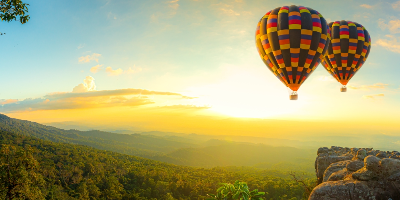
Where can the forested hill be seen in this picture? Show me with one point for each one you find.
(134, 144)
(173, 150)
(69, 171)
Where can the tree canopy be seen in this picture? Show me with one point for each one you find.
(13, 10)
(81, 172)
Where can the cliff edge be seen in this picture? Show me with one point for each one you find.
(356, 173)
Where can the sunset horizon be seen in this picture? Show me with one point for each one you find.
(103, 73)
(199, 99)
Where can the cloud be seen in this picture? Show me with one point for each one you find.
(112, 72)
(247, 13)
(174, 5)
(132, 71)
(372, 96)
(368, 87)
(326, 78)
(366, 6)
(81, 46)
(396, 5)
(390, 44)
(229, 12)
(185, 107)
(88, 58)
(86, 96)
(7, 101)
(393, 26)
(87, 85)
(186, 97)
(116, 72)
(95, 69)
(397, 142)
(110, 15)
(154, 18)
(105, 93)
(73, 103)
(226, 9)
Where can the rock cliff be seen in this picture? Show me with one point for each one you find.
(356, 173)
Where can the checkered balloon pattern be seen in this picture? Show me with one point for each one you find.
(347, 51)
(290, 41)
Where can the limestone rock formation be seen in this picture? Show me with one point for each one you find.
(356, 173)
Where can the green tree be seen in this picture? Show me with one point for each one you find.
(168, 196)
(238, 190)
(94, 191)
(19, 176)
(306, 184)
(112, 188)
(83, 191)
(12, 10)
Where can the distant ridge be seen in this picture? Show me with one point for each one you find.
(171, 149)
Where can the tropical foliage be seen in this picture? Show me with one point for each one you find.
(238, 190)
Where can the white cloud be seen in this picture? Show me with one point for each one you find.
(111, 15)
(226, 9)
(391, 44)
(174, 5)
(88, 58)
(366, 6)
(229, 12)
(132, 71)
(397, 142)
(396, 5)
(368, 87)
(95, 69)
(154, 18)
(88, 97)
(81, 46)
(326, 78)
(7, 101)
(247, 13)
(112, 72)
(372, 96)
(87, 85)
(393, 26)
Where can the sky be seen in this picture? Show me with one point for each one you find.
(190, 66)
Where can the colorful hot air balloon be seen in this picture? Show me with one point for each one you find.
(290, 40)
(347, 51)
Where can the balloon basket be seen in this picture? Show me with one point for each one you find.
(343, 89)
(293, 95)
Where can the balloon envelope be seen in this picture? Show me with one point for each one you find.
(347, 51)
(290, 40)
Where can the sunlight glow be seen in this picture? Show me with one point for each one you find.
(246, 92)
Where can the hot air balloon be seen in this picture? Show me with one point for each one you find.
(347, 51)
(290, 40)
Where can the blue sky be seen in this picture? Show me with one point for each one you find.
(196, 48)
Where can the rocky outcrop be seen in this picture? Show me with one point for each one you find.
(353, 173)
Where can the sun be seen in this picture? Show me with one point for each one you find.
(245, 93)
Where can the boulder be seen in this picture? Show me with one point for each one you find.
(354, 165)
(356, 173)
(334, 167)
